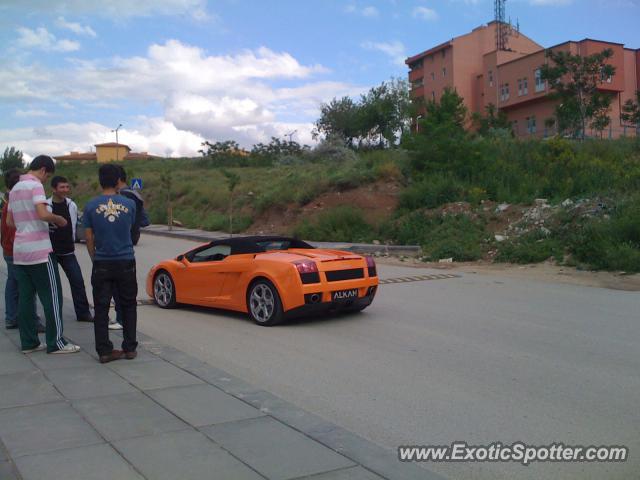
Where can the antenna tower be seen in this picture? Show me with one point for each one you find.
(502, 28)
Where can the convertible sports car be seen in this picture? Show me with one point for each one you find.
(270, 278)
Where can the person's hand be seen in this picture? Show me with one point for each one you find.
(60, 221)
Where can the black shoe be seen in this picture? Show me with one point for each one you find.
(12, 327)
(86, 319)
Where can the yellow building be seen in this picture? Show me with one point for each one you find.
(105, 153)
(111, 152)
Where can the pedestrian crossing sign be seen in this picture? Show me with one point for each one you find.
(136, 184)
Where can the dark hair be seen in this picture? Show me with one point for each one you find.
(58, 179)
(122, 173)
(43, 161)
(11, 177)
(108, 175)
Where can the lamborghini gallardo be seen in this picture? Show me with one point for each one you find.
(269, 278)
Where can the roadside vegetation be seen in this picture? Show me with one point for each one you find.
(459, 194)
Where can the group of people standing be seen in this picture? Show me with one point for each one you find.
(39, 233)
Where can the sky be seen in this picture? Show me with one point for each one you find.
(175, 73)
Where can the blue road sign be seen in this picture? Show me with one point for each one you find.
(136, 183)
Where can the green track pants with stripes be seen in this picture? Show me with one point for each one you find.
(43, 279)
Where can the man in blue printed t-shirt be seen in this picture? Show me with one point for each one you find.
(108, 220)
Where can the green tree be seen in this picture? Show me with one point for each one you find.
(11, 158)
(440, 143)
(339, 118)
(575, 80)
(631, 111)
(492, 121)
(385, 113)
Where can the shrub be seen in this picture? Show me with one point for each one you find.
(341, 224)
(531, 248)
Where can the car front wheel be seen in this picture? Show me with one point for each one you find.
(164, 290)
(263, 303)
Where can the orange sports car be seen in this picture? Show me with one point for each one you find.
(270, 278)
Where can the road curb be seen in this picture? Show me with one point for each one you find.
(365, 248)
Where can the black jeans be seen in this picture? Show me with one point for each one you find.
(114, 278)
(69, 264)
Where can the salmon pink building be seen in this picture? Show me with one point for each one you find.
(510, 78)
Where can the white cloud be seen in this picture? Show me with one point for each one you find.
(42, 39)
(115, 9)
(217, 97)
(550, 3)
(75, 27)
(31, 113)
(394, 50)
(366, 11)
(425, 13)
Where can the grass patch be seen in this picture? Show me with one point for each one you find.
(341, 224)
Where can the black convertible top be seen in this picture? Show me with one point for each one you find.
(259, 244)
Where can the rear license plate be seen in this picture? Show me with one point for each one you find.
(344, 295)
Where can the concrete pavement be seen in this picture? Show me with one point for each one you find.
(164, 415)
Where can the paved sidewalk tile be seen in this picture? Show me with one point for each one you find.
(6, 472)
(354, 473)
(48, 362)
(185, 455)
(14, 361)
(118, 417)
(87, 382)
(203, 405)
(274, 449)
(96, 462)
(26, 388)
(155, 374)
(42, 428)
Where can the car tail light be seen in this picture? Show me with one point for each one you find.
(308, 271)
(371, 266)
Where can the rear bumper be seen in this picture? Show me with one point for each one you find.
(319, 308)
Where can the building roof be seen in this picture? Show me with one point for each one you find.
(77, 156)
(112, 144)
(137, 155)
(435, 49)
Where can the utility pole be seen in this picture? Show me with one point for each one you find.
(290, 135)
(117, 143)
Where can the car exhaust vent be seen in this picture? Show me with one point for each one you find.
(337, 275)
(310, 277)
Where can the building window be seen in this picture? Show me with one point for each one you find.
(433, 96)
(444, 53)
(444, 72)
(519, 87)
(433, 76)
(490, 78)
(604, 77)
(514, 127)
(417, 83)
(540, 83)
(525, 86)
(531, 125)
(504, 92)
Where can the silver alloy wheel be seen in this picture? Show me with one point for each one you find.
(163, 289)
(262, 302)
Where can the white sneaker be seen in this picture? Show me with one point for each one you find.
(68, 348)
(113, 325)
(39, 348)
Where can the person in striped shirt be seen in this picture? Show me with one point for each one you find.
(35, 265)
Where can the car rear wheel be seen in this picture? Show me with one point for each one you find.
(164, 290)
(263, 303)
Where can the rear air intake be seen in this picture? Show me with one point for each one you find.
(337, 275)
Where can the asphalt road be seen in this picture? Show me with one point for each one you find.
(479, 359)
